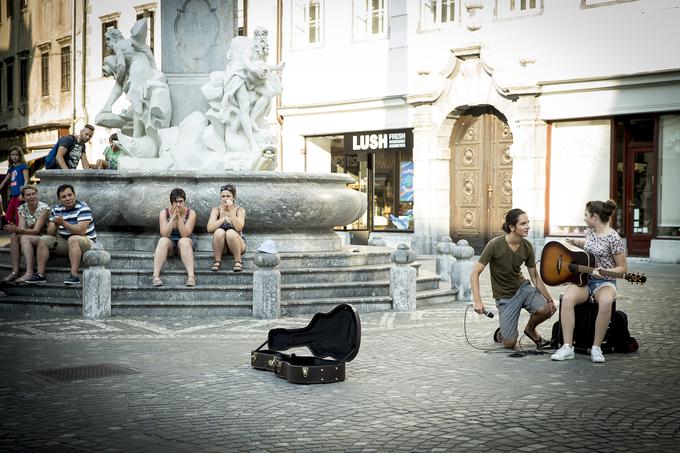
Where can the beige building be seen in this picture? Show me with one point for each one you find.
(40, 80)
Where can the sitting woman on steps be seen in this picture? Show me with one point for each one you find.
(226, 225)
(177, 237)
(33, 215)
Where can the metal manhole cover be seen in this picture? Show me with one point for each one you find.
(84, 372)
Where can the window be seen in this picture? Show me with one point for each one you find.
(518, 8)
(149, 14)
(10, 84)
(10, 8)
(577, 148)
(45, 72)
(381, 163)
(307, 23)
(242, 18)
(66, 68)
(669, 183)
(23, 76)
(370, 18)
(592, 3)
(106, 25)
(437, 12)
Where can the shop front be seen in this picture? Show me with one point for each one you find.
(381, 163)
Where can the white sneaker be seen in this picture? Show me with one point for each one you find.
(564, 353)
(596, 355)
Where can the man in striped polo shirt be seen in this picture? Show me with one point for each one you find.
(70, 232)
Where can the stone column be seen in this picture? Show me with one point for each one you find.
(403, 279)
(96, 285)
(460, 275)
(443, 259)
(267, 286)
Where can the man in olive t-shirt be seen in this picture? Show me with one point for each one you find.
(505, 255)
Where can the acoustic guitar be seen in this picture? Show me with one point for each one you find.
(560, 264)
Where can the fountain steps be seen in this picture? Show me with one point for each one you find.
(311, 282)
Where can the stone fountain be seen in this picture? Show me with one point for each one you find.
(225, 139)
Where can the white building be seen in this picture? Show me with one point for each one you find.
(542, 105)
(449, 112)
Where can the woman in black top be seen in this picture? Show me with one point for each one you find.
(226, 224)
(177, 237)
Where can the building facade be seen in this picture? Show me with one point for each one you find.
(446, 112)
(532, 104)
(39, 78)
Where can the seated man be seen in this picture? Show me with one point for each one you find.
(70, 231)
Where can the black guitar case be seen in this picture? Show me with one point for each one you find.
(336, 335)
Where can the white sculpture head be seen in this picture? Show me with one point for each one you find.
(112, 36)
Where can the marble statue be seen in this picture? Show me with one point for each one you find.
(133, 67)
(240, 100)
(232, 134)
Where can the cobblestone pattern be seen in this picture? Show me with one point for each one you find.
(416, 385)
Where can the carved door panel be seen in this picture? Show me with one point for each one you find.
(481, 177)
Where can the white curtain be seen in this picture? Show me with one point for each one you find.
(669, 177)
(579, 170)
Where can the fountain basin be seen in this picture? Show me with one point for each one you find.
(297, 210)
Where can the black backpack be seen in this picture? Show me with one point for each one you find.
(616, 339)
(51, 159)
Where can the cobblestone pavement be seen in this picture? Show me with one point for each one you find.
(416, 385)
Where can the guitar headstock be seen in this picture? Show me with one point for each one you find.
(640, 279)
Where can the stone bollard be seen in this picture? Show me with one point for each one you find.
(96, 284)
(403, 279)
(267, 282)
(444, 259)
(377, 241)
(460, 275)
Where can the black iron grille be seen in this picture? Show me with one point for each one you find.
(84, 372)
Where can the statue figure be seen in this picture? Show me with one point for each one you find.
(240, 99)
(232, 134)
(134, 69)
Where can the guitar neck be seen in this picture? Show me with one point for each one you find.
(604, 273)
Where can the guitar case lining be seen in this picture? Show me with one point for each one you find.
(334, 339)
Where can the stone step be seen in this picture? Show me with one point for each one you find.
(144, 260)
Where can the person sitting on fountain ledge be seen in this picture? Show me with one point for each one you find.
(70, 232)
(177, 237)
(71, 150)
(226, 224)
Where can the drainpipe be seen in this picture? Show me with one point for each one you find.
(84, 58)
(279, 41)
(73, 65)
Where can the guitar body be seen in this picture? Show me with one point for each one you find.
(558, 264)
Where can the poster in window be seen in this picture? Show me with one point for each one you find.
(406, 182)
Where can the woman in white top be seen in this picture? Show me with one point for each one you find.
(33, 215)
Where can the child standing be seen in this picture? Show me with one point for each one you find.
(17, 176)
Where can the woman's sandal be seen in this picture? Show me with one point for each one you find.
(157, 281)
(540, 342)
(11, 277)
(217, 265)
(21, 280)
(238, 266)
(191, 281)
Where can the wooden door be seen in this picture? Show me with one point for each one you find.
(639, 181)
(481, 176)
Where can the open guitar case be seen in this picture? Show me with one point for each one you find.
(332, 337)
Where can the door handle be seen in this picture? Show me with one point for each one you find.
(489, 191)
